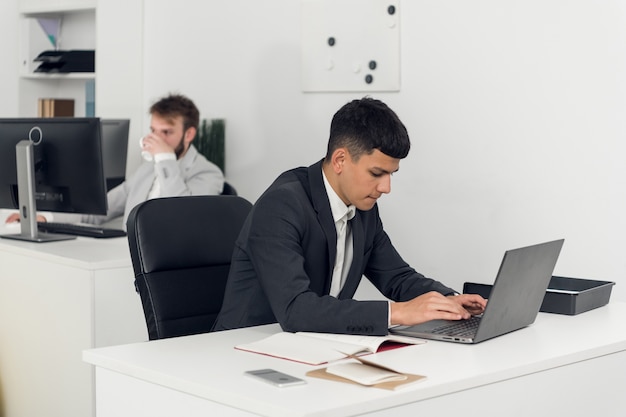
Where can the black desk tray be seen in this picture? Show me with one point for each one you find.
(564, 295)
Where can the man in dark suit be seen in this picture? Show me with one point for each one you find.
(316, 231)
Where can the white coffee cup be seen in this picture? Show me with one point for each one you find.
(144, 154)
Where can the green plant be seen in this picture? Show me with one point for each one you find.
(210, 141)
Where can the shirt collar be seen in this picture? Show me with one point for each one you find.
(337, 206)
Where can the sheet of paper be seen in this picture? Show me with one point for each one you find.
(364, 374)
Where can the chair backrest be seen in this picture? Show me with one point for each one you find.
(181, 249)
(228, 189)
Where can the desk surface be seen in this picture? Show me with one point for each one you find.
(82, 252)
(207, 366)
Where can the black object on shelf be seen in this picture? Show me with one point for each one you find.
(564, 295)
(53, 62)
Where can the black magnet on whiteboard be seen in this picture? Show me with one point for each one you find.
(331, 41)
(372, 65)
(391, 9)
(369, 79)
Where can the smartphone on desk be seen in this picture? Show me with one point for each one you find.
(275, 378)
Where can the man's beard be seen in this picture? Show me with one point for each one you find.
(180, 148)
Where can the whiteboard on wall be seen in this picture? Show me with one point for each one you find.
(350, 45)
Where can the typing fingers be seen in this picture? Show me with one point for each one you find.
(439, 307)
(426, 307)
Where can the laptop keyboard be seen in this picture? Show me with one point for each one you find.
(462, 328)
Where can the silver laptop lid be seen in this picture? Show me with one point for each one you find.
(515, 298)
(519, 289)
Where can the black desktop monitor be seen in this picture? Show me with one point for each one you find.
(114, 150)
(58, 164)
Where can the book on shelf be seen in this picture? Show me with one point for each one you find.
(55, 107)
(319, 348)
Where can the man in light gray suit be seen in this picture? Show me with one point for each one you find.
(316, 231)
(175, 167)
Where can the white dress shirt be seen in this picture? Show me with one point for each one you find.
(342, 214)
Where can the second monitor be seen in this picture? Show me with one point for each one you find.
(114, 150)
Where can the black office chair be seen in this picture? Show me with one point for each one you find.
(228, 189)
(181, 249)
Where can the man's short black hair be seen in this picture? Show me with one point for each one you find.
(175, 105)
(367, 124)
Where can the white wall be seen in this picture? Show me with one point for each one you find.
(10, 65)
(119, 69)
(516, 112)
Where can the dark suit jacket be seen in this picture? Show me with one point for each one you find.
(283, 263)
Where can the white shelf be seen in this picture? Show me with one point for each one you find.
(77, 32)
(32, 8)
(57, 76)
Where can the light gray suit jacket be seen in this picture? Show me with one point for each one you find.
(193, 174)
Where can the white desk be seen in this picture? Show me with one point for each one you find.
(560, 365)
(57, 299)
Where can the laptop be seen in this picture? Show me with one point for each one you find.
(514, 301)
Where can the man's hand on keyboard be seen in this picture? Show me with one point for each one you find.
(433, 305)
(15, 218)
(473, 303)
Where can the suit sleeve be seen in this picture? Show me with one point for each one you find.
(201, 178)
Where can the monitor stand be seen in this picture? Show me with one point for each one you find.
(25, 162)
